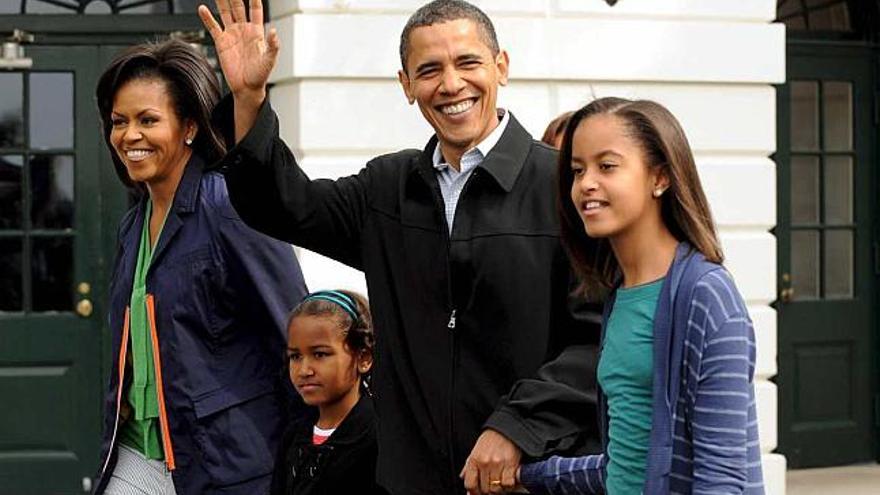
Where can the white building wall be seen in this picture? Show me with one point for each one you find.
(711, 62)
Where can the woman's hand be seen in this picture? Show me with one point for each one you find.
(247, 56)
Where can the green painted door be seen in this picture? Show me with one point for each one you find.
(826, 175)
(51, 273)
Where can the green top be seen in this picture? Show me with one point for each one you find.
(141, 431)
(626, 376)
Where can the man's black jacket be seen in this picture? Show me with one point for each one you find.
(464, 321)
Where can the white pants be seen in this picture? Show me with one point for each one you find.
(134, 474)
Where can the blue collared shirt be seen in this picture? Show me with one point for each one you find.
(452, 181)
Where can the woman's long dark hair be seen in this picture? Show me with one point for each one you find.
(190, 81)
(684, 208)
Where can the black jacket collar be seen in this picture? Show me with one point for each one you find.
(504, 163)
(358, 423)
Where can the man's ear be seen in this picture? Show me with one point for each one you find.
(502, 64)
(404, 83)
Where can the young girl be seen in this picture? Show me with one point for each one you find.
(677, 401)
(330, 351)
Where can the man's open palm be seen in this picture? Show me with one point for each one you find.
(246, 54)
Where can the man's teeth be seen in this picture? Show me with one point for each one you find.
(458, 107)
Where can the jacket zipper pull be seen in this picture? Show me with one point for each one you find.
(451, 324)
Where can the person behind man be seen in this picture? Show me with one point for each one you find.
(555, 130)
(460, 246)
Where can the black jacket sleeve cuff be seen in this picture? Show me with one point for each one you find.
(510, 425)
(256, 146)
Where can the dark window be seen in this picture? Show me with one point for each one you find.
(823, 167)
(37, 191)
(101, 7)
(815, 15)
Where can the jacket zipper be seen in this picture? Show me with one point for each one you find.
(439, 203)
(121, 372)
(453, 347)
(160, 386)
(453, 361)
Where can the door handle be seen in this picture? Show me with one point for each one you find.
(84, 308)
(787, 294)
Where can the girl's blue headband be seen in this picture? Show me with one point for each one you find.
(340, 299)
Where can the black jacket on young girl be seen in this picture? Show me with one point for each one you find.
(344, 463)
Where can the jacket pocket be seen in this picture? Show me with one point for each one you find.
(198, 281)
(237, 429)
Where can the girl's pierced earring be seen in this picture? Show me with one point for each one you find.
(189, 141)
(658, 192)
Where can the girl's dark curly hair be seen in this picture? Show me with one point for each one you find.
(359, 335)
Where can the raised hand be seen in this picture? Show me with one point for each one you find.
(247, 55)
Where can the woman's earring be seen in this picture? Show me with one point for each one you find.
(658, 192)
(189, 141)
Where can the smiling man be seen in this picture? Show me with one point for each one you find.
(452, 69)
(481, 356)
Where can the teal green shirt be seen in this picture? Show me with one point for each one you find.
(626, 375)
(141, 431)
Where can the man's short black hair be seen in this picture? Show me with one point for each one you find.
(440, 11)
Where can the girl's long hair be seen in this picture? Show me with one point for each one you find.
(684, 208)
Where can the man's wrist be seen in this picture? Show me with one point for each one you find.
(249, 99)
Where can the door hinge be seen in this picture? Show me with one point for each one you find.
(876, 248)
(876, 107)
(876, 102)
(877, 410)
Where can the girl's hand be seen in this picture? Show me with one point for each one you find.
(247, 56)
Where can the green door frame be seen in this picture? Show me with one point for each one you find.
(50, 357)
(834, 54)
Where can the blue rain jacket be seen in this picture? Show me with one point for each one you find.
(218, 296)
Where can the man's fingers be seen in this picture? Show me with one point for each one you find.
(471, 478)
(508, 477)
(210, 23)
(273, 43)
(225, 12)
(490, 481)
(257, 12)
(239, 14)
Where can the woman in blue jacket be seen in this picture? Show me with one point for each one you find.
(677, 401)
(195, 403)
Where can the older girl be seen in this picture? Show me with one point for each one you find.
(677, 402)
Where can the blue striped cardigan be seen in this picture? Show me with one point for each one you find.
(707, 442)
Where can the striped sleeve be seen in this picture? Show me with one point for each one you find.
(568, 475)
(723, 395)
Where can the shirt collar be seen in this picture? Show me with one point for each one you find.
(482, 149)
